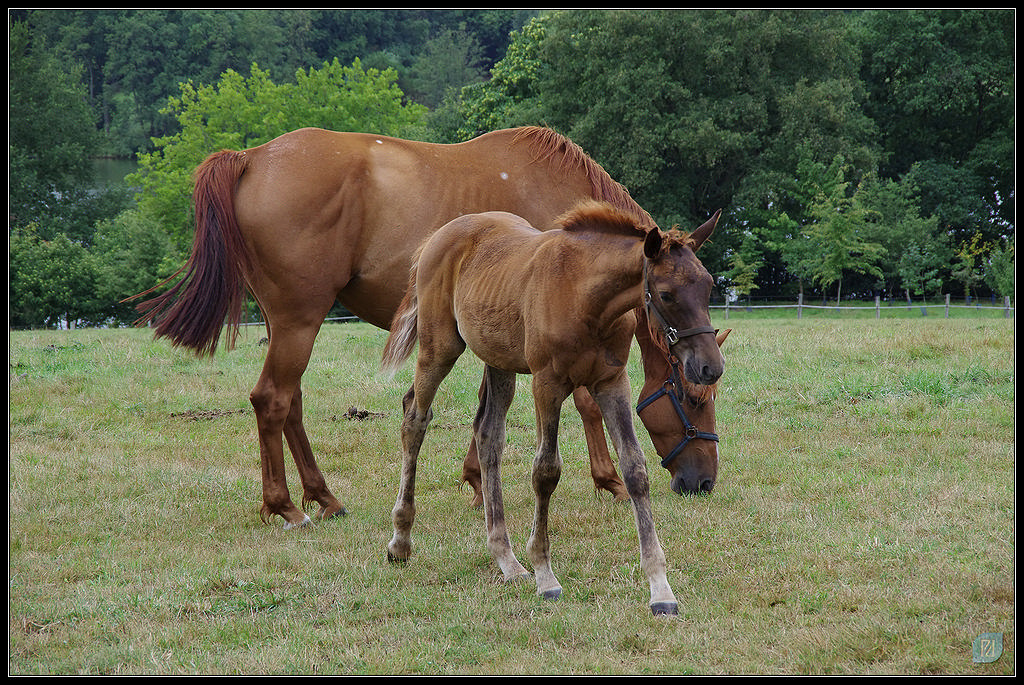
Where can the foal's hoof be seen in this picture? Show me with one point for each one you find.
(664, 609)
(396, 560)
(552, 594)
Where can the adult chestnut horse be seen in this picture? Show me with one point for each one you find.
(558, 305)
(315, 216)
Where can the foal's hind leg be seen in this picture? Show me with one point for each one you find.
(489, 431)
(615, 405)
(432, 365)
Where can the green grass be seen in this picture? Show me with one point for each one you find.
(863, 521)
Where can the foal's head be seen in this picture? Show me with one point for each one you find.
(677, 291)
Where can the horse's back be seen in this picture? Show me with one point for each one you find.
(345, 211)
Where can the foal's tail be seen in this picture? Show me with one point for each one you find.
(403, 335)
(211, 290)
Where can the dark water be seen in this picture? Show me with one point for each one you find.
(110, 171)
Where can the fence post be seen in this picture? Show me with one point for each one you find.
(947, 305)
(1006, 306)
(800, 306)
(878, 312)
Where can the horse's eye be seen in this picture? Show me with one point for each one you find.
(666, 297)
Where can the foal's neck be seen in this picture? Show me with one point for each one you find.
(614, 277)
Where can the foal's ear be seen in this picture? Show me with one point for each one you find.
(652, 243)
(701, 234)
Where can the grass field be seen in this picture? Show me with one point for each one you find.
(863, 521)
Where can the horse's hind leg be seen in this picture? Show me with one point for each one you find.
(615, 405)
(272, 399)
(314, 486)
(489, 431)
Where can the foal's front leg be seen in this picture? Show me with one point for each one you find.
(547, 471)
(615, 405)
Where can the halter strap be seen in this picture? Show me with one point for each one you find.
(691, 430)
(672, 335)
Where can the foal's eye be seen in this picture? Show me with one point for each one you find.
(666, 297)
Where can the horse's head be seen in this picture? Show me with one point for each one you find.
(677, 291)
(680, 417)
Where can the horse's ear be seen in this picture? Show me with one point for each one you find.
(652, 243)
(701, 234)
(720, 336)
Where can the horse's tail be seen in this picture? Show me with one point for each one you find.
(192, 312)
(403, 335)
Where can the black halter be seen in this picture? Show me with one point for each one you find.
(672, 336)
(668, 388)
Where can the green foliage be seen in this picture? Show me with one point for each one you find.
(51, 128)
(756, 112)
(1000, 271)
(837, 239)
(53, 282)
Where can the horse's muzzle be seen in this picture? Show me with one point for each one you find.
(688, 484)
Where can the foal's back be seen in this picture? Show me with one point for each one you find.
(473, 276)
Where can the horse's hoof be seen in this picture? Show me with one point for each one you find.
(325, 514)
(395, 560)
(288, 525)
(664, 609)
(552, 594)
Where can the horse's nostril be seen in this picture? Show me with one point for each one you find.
(707, 485)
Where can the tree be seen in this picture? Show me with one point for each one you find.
(52, 129)
(837, 242)
(449, 60)
(53, 282)
(968, 266)
(919, 250)
(941, 86)
(999, 271)
(918, 272)
(744, 264)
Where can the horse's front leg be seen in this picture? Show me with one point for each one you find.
(602, 469)
(489, 431)
(547, 471)
(614, 400)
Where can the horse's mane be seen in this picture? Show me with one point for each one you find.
(550, 145)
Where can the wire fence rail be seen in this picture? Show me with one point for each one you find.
(1007, 308)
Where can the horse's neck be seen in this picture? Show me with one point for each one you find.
(654, 358)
